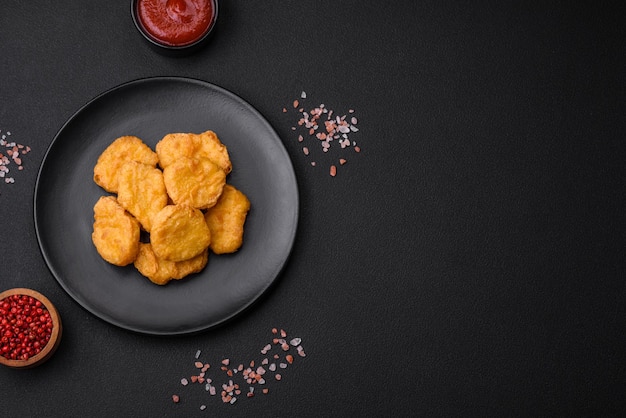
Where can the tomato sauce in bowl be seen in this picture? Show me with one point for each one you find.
(175, 24)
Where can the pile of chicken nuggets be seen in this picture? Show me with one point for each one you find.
(176, 196)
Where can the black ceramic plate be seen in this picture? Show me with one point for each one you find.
(65, 194)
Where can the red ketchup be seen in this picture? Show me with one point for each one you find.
(175, 22)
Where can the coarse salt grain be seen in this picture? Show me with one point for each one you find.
(300, 351)
(334, 127)
(13, 150)
(231, 389)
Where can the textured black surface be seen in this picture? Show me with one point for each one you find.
(469, 261)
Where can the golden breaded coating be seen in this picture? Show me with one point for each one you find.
(179, 232)
(141, 191)
(120, 151)
(115, 232)
(193, 265)
(197, 182)
(226, 220)
(161, 271)
(205, 144)
(156, 269)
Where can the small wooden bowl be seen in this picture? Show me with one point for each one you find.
(55, 337)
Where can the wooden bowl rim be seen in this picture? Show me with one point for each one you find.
(55, 337)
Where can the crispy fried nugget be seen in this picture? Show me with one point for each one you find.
(179, 232)
(141, 191)
(161, 271)
(196, 182)
(206, 144)
(226, 220)
(193, 265)
(123, 149)
(115, 232)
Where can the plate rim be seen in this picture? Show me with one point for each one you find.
(215, 323)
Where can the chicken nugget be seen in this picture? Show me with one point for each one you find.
(209, 145)
(115, 232)
(205, 144)
(193, 265)
(141, 191)
(123, 149)
(197, 182)
(179, 232)
(226, 220)
(156, 269)
(161, 271)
